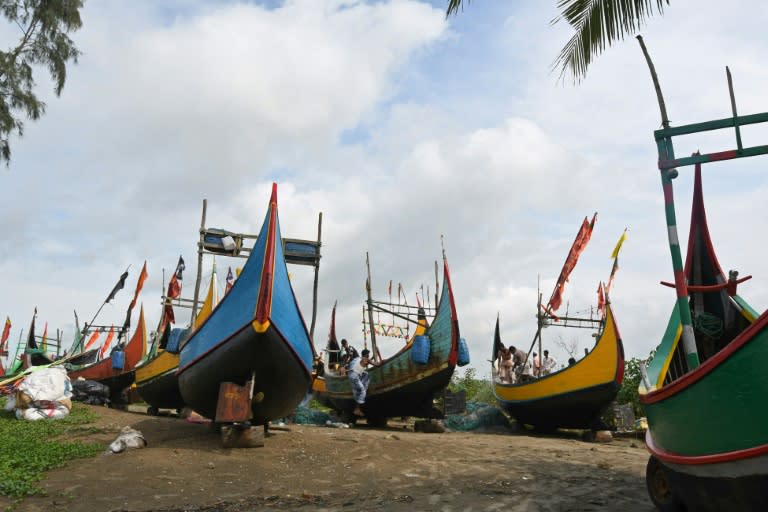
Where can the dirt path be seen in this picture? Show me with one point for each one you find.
(184, 467)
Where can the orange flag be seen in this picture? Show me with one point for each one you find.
(6, 333)
(92, 340)
(107, 342)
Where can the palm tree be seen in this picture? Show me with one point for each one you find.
(598, 24)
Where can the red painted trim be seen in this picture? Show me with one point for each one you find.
(668, 195)
(715, 458)
(708, 366)
(723, 155)
(699, 220)
(264, 302)
(682, 291)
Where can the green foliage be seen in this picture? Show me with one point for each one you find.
(477, 390)
(596, 23)
(628, 393)
(43, 41)
(29, 448)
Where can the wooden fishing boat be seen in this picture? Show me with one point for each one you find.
(576, 395)
(255, 339)
(156, 380)
(118, 370)
(709, 448)
(399, 386)
(704, 388)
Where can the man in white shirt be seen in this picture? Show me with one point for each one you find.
(548, 364)
(359, 379)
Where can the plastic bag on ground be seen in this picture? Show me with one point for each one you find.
(90, 392)
(128, 438)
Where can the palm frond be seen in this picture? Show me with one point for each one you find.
(454, 6)
(598, 24)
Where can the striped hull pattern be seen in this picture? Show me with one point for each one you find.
(398, 386)
(255, 332)
(575, 396)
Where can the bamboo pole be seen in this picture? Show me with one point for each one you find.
(314, 287)
(199, 262)
(666, 152)
(437, 284)
(374, 348)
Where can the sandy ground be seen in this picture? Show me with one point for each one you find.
(313, 468)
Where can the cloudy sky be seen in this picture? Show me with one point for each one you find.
(400, 126)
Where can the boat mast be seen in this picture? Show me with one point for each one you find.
(374, 348)
(199, 262)
(538, 332)
(314, 287)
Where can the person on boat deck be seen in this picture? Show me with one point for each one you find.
(348, 353)
(318, 367)
(505, 365)
(549, 364)
(521, 365)
(536, 365)
(571, 361)
(359, 379)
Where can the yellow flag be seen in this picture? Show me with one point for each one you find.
(615, 253)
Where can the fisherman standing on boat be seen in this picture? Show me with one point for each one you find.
(549, 364)
(522, 367)
(505, 365)
(359, 379)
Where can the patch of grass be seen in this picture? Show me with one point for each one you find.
(30, 448)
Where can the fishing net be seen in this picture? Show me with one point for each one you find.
(478, 416)
(708, 324)
(307, 416)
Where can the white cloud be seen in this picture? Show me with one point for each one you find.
(400, 129)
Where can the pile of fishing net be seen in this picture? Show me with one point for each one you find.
(307, 416)
(42, 394)
(478, 416)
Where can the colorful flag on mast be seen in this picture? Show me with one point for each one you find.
(579, 244)
(615, 256)
(230, 281)
(617, 248)
(139, 285)
(92, 340)
(174, 287)
(107, 342)
(600, 298)
(6, 333)
(119, 286)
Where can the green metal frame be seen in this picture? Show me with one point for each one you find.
(668, 167)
